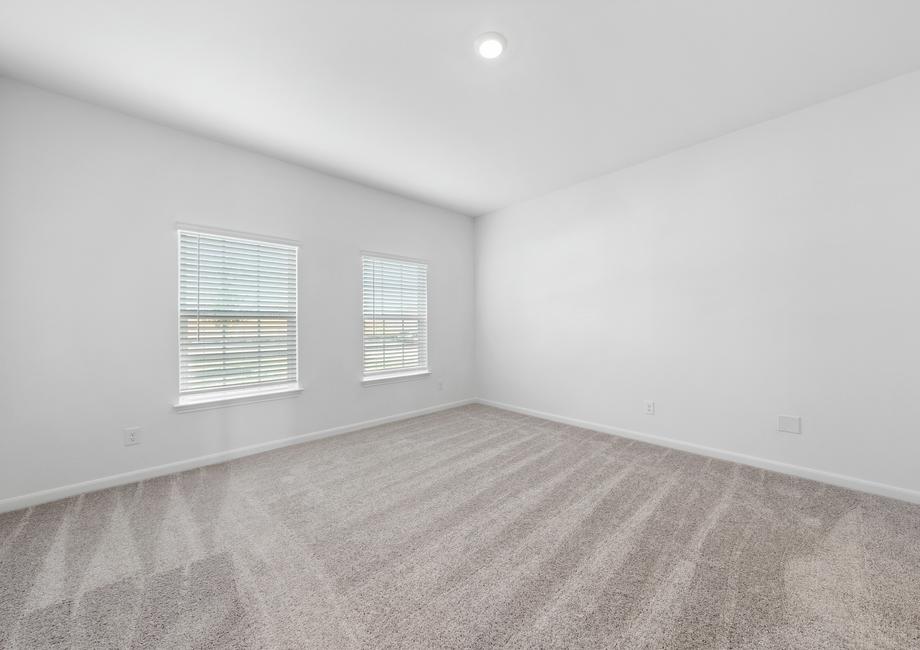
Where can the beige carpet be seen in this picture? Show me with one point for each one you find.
(470, 528)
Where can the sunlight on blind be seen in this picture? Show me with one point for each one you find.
(395, 316)
(237, 314)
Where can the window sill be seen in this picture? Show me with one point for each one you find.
(219, 400)
(375, 380)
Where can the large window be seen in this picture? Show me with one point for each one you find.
(237, 317)
(395, 317)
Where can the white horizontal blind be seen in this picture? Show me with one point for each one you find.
(395, 316)
(237, 314)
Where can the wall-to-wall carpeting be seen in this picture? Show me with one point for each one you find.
(470, 528)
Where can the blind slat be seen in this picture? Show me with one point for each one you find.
(395, 312)
(237, 313)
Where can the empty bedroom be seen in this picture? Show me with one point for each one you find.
(485, 324)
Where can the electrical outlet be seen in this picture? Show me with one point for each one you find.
(789, 424)
(649, 407)
(132, 436)
(440, 385)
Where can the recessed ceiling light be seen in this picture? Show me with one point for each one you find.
(490, 45)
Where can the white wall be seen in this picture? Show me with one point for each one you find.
(772, 271)
(88, 203)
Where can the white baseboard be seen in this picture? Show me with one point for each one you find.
(839, 480)
(44, 496)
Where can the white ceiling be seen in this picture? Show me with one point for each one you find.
(390, 93)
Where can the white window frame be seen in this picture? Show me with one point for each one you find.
(398, 375)
(228, 397)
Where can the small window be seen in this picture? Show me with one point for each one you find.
(237, 317)
(395, 317)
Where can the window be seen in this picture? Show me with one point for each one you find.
(237, 317)
(395, 317)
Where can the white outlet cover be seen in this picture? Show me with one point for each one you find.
(789, 424)
(132, 436)
(649, 407)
